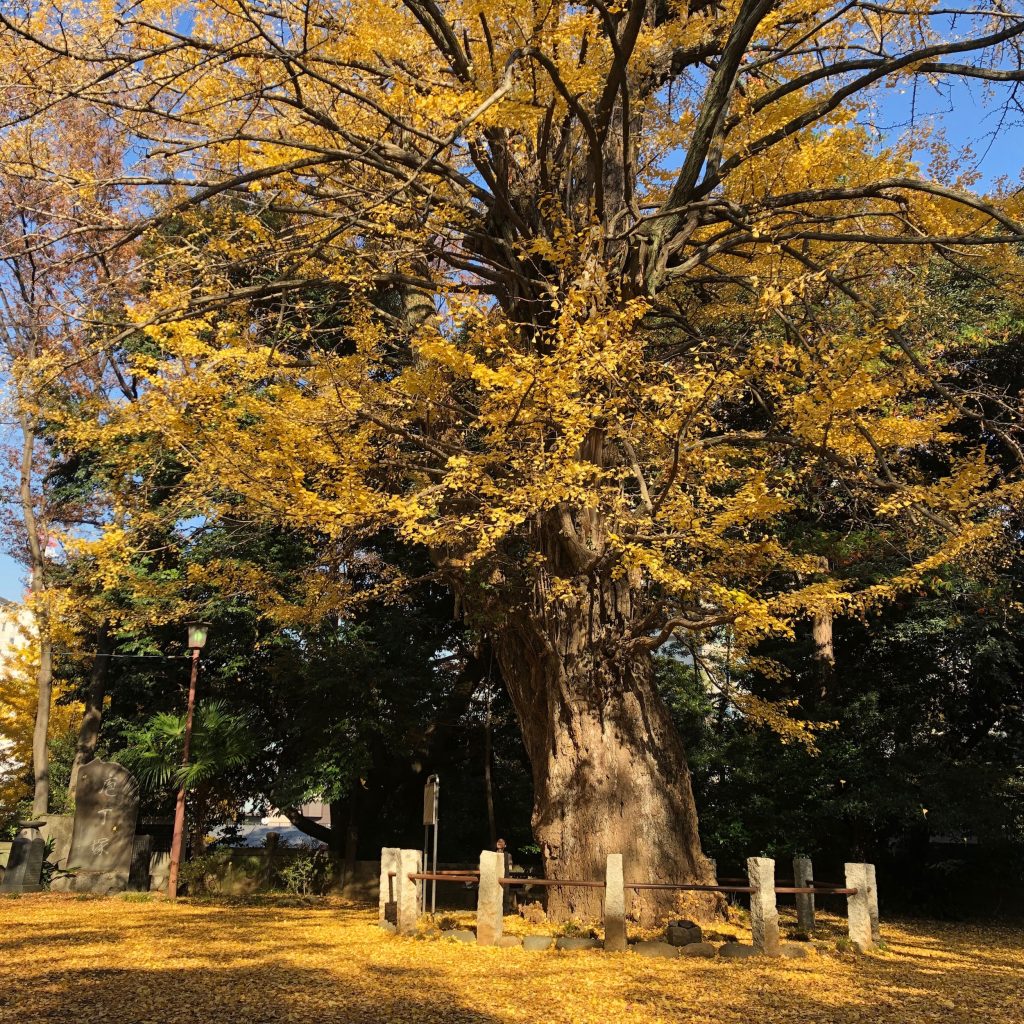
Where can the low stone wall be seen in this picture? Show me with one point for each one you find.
(243, 871)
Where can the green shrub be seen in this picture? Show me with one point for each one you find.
(201, 875)
(306, 872)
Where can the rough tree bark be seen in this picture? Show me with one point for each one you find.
(609, 769)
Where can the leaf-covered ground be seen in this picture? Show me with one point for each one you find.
(93, 961)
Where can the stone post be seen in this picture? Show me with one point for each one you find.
(876, 931)
(387, 904)
(407, 892)
(858, 906)
(764, 915)
(490, 898)
(803, 876)
(614, 904)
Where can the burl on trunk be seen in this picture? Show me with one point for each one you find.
(609, 770)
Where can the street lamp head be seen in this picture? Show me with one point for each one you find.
(197, 632)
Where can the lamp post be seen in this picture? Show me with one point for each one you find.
(197, 632)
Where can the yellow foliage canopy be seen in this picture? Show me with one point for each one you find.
(553, 292)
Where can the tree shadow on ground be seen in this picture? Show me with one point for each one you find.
(262, 993)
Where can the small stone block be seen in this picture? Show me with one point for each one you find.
(570, 944)
(698, 949)
(509, 942)
(737, 951)
(682, 933)
(538, 943)
(662, 949)
(460, 935)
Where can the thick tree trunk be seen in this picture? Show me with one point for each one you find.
(609, 770)
(92, 718)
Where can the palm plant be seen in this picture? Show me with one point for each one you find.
(222, 743)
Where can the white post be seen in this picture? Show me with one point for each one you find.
(407, 893)
(858, 906)
(490, 898)
(764, 914)
(614, 904)
(803, 876)
(387, 908)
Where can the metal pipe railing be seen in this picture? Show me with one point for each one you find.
(578, 883)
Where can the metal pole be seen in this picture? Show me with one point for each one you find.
(179, 807)
(433, 884)
(423, 888)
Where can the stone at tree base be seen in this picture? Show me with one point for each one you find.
(490, 899)
(764, 914)
(797, 950)
(537, 943)
(25, 865)
(803, 875)
(459, 935)
(571, 943)
(858, 907)
(738, 951)
(682, 933)
(509, 942)
(407, 892)
(655, 949)
(614, 905)
(103, 834)
(698, 949)
(387, 902)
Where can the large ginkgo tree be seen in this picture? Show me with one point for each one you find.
(586, 299)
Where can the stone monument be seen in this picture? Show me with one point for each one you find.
(25, 865)
(106, 809)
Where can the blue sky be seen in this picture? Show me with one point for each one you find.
(963, 111)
